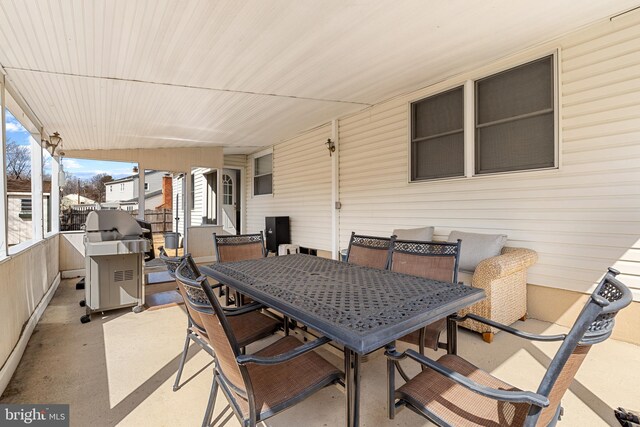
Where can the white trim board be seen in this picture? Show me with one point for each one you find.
(11, 364)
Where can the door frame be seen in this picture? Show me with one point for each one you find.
(240, 197)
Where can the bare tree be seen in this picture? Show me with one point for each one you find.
(96, 187)
(18, 160)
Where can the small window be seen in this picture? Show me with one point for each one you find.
(122, 187)
(146, 186)
(515, 119)
(25, 209)
(263, 175)
(227, 190)
(437, 136)
(110, 188)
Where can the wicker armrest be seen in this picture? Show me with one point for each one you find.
(292, 354)
(510, 261)
(509, 329)
(492, 393)
(242, 310)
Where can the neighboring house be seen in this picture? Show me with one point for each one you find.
(71, 200)
(19, 203)
(123, 193)
(206, 207)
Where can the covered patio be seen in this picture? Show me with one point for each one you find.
(499, 118)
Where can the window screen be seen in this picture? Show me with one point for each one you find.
(437, 136)
(515, 125)
(263, 175)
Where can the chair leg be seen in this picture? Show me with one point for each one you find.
(487, 337)
(211, 403)
(183, 359)
(391, 385)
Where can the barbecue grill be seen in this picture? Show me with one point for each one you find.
(114, 248)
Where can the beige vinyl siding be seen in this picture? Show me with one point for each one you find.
(581, 218)
(301, 190)
(235, 161)
(26, 278)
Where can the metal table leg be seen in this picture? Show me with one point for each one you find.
(452, 335)
(352, 386)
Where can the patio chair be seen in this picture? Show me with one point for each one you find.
(369, 251)
(240, 247)
(248, 324)
(259, 385)
(432, 260)
(452, 391)
(170, 262)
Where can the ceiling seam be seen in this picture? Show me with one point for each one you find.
(275, 95)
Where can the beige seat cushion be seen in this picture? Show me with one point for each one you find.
(423, 234)
(466, 277)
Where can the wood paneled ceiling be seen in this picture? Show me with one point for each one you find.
(245, 74)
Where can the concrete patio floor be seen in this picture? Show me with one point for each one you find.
(119, 370)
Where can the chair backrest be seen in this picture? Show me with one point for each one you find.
(369, 251)
(170, 262)
(221, 337)
(432, 260)
(192, 295)
(238, 247)
(593, 325)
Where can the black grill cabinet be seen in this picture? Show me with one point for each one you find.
(276, 232)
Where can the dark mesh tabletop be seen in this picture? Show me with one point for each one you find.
(359, 307)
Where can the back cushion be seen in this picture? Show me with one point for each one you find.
(424, 234)
(476, 247)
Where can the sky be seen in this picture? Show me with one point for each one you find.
(80, 168)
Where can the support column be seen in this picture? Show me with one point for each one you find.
(186, 192)
(3, 175)
(37, 224)
(54, 196)
(335, 193)
(141, 178)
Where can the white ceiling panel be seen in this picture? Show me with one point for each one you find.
(246, 73)
(95, 113)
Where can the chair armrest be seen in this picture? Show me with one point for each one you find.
(242, 310)
(492, 393)
(284, 357)
(510, 261)
(509, 329)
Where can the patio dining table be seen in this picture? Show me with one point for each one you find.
(361, 308)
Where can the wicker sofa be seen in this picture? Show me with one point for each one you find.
(504, 280)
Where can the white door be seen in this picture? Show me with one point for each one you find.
(229, 201)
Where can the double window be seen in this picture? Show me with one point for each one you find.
(263, 175)
(513, 129)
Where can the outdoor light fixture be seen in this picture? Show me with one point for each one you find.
(53, 142)
(331, 146)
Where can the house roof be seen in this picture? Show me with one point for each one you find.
(131, 177)
(146, 196)
(248, 74)
(24, 186)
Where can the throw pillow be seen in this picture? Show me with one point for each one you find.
(476, 247)
(424, 234)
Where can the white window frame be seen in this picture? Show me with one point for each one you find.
(469, 118)
(252, 160)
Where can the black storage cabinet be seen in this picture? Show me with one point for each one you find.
(276, 232)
